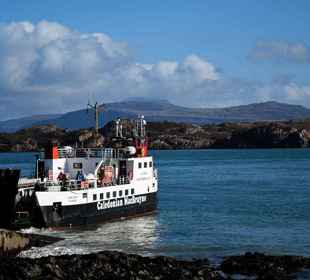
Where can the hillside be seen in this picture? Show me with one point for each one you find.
(169, 135)
(16, 124)
(162, 110)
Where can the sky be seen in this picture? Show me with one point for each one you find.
(55, 55)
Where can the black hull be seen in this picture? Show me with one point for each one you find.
(84, 214)
(8, 187)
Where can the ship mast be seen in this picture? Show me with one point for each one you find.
(95, 107)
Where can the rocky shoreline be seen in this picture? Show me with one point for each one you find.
(13, 242)
(117, 265)
(267, 267)
(169, 135)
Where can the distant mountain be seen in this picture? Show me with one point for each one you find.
(16, 124)
(162, 110)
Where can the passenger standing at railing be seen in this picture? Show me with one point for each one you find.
(62, 178)
(80, 176)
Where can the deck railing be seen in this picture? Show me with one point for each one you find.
(68, 152)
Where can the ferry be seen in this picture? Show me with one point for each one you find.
(78, 186)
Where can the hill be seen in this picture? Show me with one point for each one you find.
(162, 110)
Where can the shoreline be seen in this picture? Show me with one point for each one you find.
(12, 242)
(110, 264)
(119, 265)
(187, 149)
(168, 135)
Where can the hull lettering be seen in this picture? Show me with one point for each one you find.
(101, 205)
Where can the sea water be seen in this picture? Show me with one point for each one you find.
(212, 203)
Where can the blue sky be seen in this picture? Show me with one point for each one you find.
(251, 42)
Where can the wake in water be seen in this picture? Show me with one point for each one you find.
(33, 230)
(37, 252)
(136, 235)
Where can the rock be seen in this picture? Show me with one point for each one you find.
(194, 129)
(104, 265)
(117, 265)
(296, 139)
(85, 135)
(266, 136)
(265, 267)
(168, 135)
(12, 243)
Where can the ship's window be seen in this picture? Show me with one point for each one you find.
(101, 196)
(107, 195)
(145, 165)
(84, 195)
(77, 165)
(150, 164)
(114, 194)
(126, 192)
(140, 164)
(120, 193)
(94, 197)
(132, 191)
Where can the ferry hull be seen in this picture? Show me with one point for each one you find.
(95, 212)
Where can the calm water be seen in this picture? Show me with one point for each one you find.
(211, 203)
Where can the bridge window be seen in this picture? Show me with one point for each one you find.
(114, 194)
(77, 165)
(150, 164)
(132, 191)
(140, 164)
(107, 195)
(145, 165)
(126, 192)
(101, 196)
(120, 193)
(84, 195)
(94, 197)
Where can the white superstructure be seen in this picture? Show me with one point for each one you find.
(81, 185)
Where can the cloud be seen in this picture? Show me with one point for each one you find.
(280, 51)
(50, 68)
(295, 92)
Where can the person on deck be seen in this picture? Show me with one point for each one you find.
(62, 177)
(80, 176)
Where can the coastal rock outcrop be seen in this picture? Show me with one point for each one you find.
(12, 243)
(118, 265)
(106, 265)
(262, 266)
(89, 138)
(168, 135)
(272, 135)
